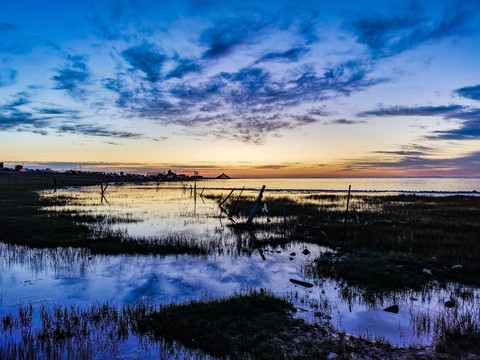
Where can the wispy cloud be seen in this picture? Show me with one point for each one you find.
(390, 35)
(413, 111)
(226, 35)
(288, 55)
(5, 27)
(345, 122)
(469, 127)
(94, 130)
(73, 76)
(419, 165)
(469, 92)
(7, 76)
(146, 58)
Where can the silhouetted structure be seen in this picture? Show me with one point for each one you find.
(223, 176)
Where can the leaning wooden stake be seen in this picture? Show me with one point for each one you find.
(346, 214)
(223, 202)
(255, 207)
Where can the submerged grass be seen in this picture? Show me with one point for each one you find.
(25, 223)
(250, 325)
(389, 239)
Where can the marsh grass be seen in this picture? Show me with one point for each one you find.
(389, 239)
(32, 220)
(248, 325)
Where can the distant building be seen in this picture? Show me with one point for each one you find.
(1, 165)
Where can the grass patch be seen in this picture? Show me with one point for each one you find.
(25, 223)
(406, 231)
(253, 325)
(256, 325)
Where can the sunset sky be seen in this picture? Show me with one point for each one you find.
(250, 88)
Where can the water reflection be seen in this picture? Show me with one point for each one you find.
(76, 277)
(46, 277)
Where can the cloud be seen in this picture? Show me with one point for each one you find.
(288, 55)
(469, 127)
(390, 35)
(13, 116)
(184, 66)
(146, 58)
(6, 27)
(7, 76)
(94, 130)
(226, 35)
(421, 165)
(413, 111)
(469, 92)
(73, 76)
(345, 122)
(245, 105)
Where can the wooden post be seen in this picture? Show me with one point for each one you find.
(223, 202)
(346, 214)
(255, 206)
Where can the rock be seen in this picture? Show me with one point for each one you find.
(434, 258)
(327, 317)
(292, 254)
(427, 271)
(393, 309)
(413, 299)
(456, 267)
(343, 258)
(278, 252)
(332, 356)
(450, 304)
(291, 258)
(305, 252)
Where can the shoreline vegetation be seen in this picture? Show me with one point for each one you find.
(390, 243)
(248, 325)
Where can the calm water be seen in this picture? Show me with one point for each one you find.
(74, 277)
(418, 185)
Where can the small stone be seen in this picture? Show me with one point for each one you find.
(393, 309)
(305, 252)
(450, 304)
(291, 258)
(278, 252)
(456, 267)
(332, 356)
(292, 254)
(427, 271)
(327, 317)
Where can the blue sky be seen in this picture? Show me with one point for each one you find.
(272, 88)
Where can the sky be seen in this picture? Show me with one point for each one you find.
(250, 88)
